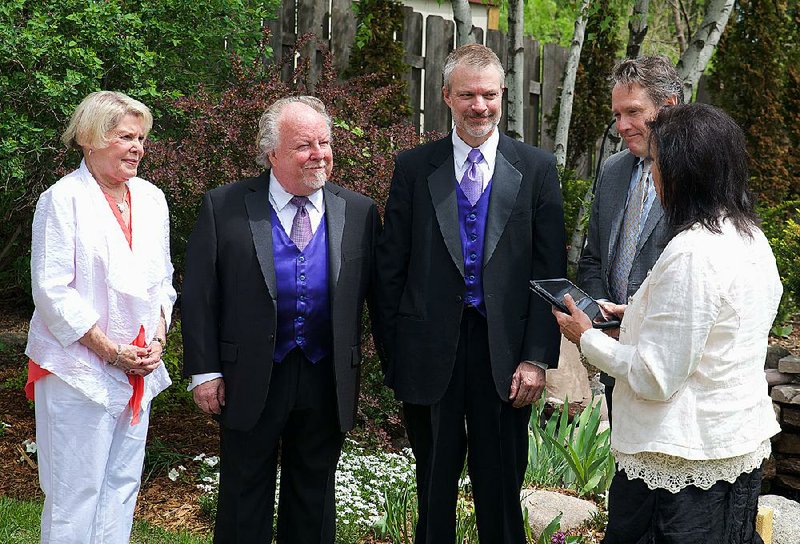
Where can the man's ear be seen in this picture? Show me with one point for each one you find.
(672, 100)
(446, 94)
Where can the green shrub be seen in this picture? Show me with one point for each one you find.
(572, 455)
(781, 225)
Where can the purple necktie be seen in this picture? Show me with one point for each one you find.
(301, 224)
(472, 181)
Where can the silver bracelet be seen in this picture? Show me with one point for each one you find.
(115, 362)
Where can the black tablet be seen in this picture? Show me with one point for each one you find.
(553, 292)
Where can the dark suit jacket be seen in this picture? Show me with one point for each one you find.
(421, 267)
(608, 209)
(229, 293)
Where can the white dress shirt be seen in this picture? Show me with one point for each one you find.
(488, 149)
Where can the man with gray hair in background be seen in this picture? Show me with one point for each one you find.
(627, 227)
(277, 270)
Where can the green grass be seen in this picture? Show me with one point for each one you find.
(19, 524)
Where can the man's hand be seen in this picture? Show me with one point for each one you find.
(527, 384)
(210, 396)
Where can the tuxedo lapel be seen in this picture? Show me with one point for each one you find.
(334, 217)
(506, 182)
(442, 186)
(258, 213)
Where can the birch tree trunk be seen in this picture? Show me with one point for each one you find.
(694, 60)
(515, 70)
(637, 28)
(679, 34)
(568, 86)
(462, 14)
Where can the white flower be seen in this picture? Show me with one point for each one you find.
(211, 461)
(173, 474)
(30, 446)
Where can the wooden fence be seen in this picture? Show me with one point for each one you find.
(427, 43)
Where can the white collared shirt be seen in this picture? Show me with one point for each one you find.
(280, 199)
(489, 150)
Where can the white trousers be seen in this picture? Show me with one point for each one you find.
(90, 466)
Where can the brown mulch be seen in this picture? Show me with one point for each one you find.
(173, 506)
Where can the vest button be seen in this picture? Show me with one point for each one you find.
(301, 258)
(302, 277)
(459, 298)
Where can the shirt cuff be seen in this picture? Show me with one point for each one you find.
(197, 379)
(540, 365)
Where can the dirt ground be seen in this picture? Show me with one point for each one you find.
(162, 502)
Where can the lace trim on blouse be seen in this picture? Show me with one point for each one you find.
(659, 470)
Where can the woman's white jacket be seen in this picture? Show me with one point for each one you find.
(83, 273)
(689, 362)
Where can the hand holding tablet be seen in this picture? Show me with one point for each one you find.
(553, 291)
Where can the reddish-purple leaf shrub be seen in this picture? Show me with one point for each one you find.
(216, 138)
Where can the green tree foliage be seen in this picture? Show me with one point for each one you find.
(378, 52)
(755, 80)
(55, 52)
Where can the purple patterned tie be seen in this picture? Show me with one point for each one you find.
(301, 224)
(472, 181)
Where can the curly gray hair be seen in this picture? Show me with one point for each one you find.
(268, 126)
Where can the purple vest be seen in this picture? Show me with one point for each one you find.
(472, 227)
(304, 309)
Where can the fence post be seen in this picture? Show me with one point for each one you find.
(439, 36)
(553, 62)
(412, 42)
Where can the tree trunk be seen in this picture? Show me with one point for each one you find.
(695, 59)
(462, 14)
(679, 35)
(637, 28)
(568, 86)
(515, 71)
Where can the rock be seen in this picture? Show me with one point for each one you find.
(774, 354)
(769, 468)
(790, 416)
(789, 365)
(788, 481)
(786, 443)
(786, 519)
(776, 377)
(570, 380)
(790, 465)
(787, 394)
(543, 506)
(777, 409)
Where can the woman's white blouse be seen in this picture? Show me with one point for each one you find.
(83, 273)
(689, 363)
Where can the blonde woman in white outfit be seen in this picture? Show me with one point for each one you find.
(692, 418)
(102, 287)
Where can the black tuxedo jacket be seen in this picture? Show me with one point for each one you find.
(421, 267)
(229, 306)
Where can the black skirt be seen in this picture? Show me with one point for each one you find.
(723, 514)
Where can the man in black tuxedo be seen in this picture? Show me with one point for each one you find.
(470, 220)
(627, 226)
(277, 270)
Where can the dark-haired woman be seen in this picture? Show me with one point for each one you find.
(692, 418)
